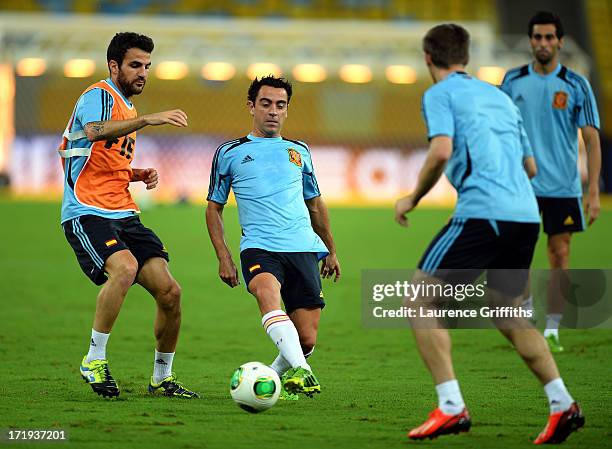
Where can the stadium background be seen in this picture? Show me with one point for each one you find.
(357, 68)
(358, 77)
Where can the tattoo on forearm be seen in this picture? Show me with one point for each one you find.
(97, 128)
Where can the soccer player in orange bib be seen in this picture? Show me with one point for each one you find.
(100, 218)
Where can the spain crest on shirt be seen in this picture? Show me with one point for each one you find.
(295, 157)
(560, 100)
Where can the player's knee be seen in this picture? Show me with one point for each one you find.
(124, 272)
(264, 292)
(174, 294)
(169, 297)
(559, 255)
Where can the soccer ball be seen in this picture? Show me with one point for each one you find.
(255, 387)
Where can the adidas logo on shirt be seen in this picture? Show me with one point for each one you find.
(246, 159)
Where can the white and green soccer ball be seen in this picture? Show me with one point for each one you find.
(255, 387)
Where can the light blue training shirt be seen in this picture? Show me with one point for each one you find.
(553, 107)
(271, 178)
(489, 145)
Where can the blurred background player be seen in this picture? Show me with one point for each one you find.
(555, 102)
(476, 133)
(99, 216)
(285, 231)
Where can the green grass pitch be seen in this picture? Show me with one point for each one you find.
(375, 387)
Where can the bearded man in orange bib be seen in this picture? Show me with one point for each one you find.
(100, 218)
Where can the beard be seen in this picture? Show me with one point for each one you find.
(127, 87)
(543, 57)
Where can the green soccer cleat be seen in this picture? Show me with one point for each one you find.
(170, 386)
(300, 380)
(553, 343)
(97, 374)
(284, 394)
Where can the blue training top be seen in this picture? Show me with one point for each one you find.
(489, 145)
(553, 107)
(271, 179)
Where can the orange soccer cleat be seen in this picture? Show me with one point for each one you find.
(560, 425)
(440, 423)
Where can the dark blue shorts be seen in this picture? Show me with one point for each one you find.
(94, 239)
(466, 247)
(561, 215)
(297, 273)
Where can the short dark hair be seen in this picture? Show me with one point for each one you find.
(271, 81)
(122, 42)
(447, 44)
(545, 18)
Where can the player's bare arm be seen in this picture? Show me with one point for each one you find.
(593, 151)
(147, 175)
(111, 129)
(319, 218)
(530, 166)
(214, 222)
(440, 151)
